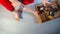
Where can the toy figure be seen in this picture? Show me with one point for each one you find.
(53, 9)
(40, 9)
(56, 8)
(42, 13)
(48, 11)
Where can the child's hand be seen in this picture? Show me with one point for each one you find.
(16, 15)
(45, 1)
(17, 19)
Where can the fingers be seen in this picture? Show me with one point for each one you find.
(16, 15)
(17, 19)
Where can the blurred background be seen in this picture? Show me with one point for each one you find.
(27, 25)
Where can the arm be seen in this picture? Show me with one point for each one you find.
(15, 3)
(27, 9)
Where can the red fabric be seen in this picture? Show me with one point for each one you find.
(26, 2)
(7, 4)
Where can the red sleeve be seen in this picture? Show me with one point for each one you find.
(7, 5)
(26, 2)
